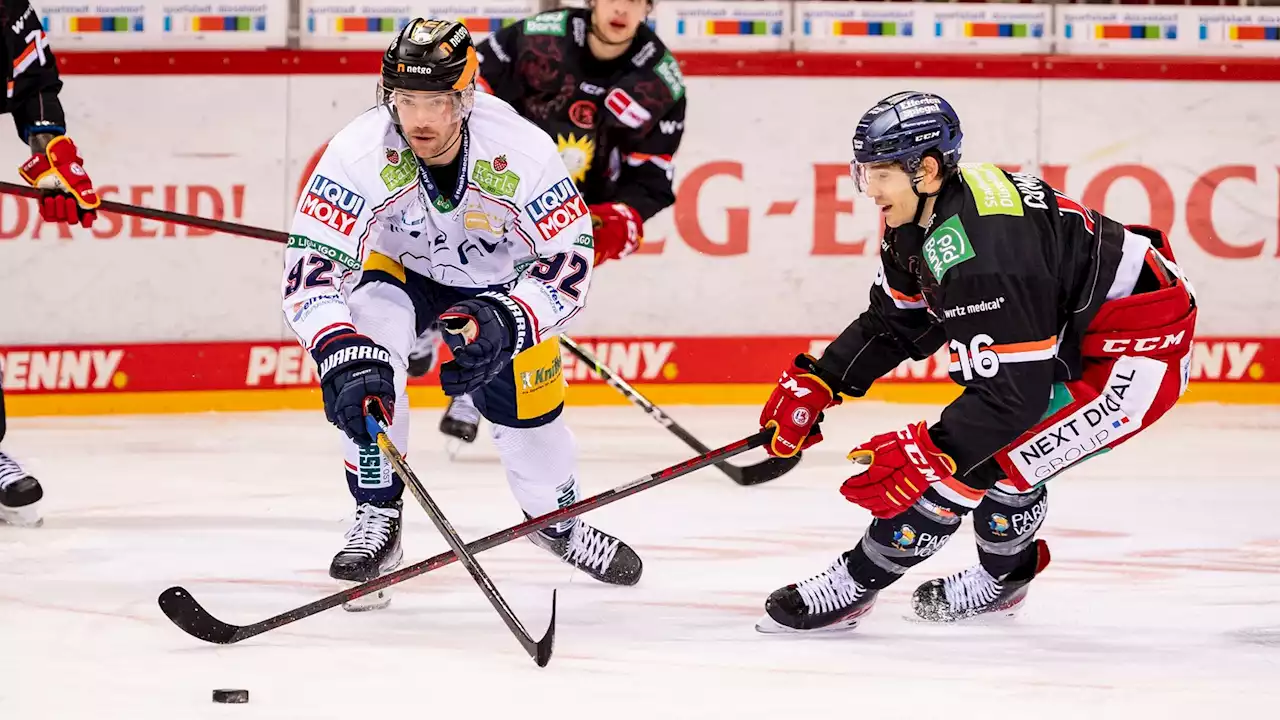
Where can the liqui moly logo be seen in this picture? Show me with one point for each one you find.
(332, 204)
(556, 209)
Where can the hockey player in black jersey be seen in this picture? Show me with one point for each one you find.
(55, 165)
(606, 89)
(1068, 331)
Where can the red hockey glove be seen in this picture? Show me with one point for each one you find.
(61, 168)
(899, 467)
(795, 408)
(618, 230)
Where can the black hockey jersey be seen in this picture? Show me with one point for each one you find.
(617, 124)
(1009, 274)
(33, 83)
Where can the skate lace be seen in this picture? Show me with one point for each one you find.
(831, 589)
(10, 471)
(371, 530)
(971, 588)
(590, 547)
(463, 411)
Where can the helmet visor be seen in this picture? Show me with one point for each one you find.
(418, 108)
(877, 175)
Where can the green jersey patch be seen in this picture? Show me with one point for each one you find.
(552, 23)
(499, 183)
(302, 242)
(668, 71)
(947, 247)
(992, 191)
(400, 170)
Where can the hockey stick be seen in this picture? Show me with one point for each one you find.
(763, 471)
(191, 617)
(161, 215)
(539, 650)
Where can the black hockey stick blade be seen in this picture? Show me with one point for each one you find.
(761, 472)
(183, 610)
(542, 651)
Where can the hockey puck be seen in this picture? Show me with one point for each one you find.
(231, 696)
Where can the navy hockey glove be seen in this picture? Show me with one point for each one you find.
(354, 369)
(484, 333)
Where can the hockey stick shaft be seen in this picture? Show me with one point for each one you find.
(540, 651)
(168, 216)
(192, 618)
(766, 470)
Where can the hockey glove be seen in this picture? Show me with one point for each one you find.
(60, 169)
(618, 230)
(795, 408)
(353, 370)
(484, 333)
(897, 467)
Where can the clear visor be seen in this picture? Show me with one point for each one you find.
(418, 108)
(867, 176)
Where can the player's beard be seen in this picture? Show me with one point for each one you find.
(429, 150)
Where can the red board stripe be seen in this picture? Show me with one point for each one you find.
(760, 64)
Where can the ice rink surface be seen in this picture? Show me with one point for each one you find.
(1163, 599)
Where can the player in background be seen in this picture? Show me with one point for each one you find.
(601, 83)
(443, 204)
(1068, 331)
(54, 165)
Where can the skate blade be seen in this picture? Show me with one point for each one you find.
(372, 601)
(992, 617)
(27, 516)
(769, 626)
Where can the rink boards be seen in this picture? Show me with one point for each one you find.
(767, 252)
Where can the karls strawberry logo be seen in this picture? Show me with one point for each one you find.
(556, 209)
(332, 204)
(500, 163)
(393, 156)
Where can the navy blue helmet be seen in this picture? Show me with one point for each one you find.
(902, 128)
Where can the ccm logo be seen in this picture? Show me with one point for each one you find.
(1143, 345)
(794, 387)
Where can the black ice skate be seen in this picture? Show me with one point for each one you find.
(831, 600)
(974, 591)
(599, 554)
(372, 550)
(20, 495)
(461, 419)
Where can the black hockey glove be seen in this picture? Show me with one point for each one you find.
(484, 333)
(352, 369)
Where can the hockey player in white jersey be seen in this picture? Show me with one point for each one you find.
(441, 204)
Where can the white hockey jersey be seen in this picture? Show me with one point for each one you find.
(514, 222)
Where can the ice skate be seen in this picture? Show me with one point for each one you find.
(973, 592)
(20, 495)
(597, 553)
(829, 601)
(372, 550)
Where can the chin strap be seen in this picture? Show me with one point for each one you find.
(922, 196)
